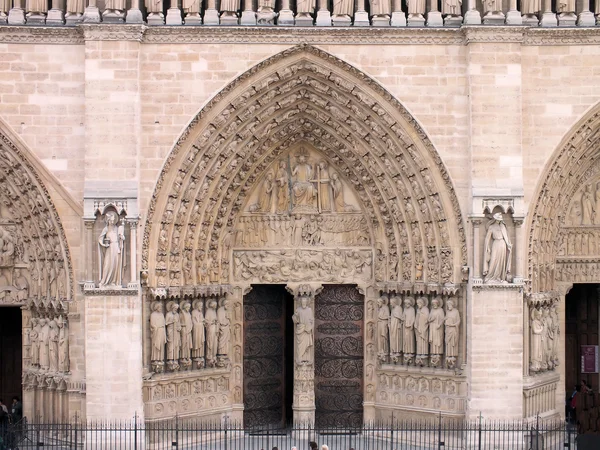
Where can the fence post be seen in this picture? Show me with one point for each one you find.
(76, 420)
(440, 442)
(135, 446)
(226, 417)
(479, 447)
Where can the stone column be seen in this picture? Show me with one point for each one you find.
(361, 17)
(472, 17)
(398, 16)
(586, 17)
(548, 17)
(91, 13)
(133, 253)
(249, 15)
(476, 251)
(56, 16)
(134, 14)
(16, 16)
(323, 14)
(88, 240)
(174, 14)
(434, 16)
(518, 246)
(513, 16)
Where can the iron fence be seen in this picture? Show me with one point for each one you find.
(180, 434)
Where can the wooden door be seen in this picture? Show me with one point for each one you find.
(10, 353)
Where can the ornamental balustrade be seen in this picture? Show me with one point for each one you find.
(303, 13)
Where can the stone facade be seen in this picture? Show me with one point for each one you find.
(151, 175)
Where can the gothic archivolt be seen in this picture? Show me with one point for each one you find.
(34, 257)
(303, 100)
(564, 237)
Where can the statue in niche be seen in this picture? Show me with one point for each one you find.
(34, 337)
(451, 8)
(63, 345)
(212, 326)
(451, 328)
(338, 194)
(173, 326)
(53, 346)
(588, 206)
(408, 334)
(383, 324)
(304, 320)
(343, 8)
(496, 261)
(198, 335)
(265, 199)
(436, 331)
(283, 193)
(537, 340)
(43, 339)
(158, 337)
(303, 190)
(186, 334)
(421, 331)
(112, 241)
(323, 187)
(224, 335)
(396, 318)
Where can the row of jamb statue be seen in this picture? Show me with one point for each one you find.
(419, 336)
(190, 335)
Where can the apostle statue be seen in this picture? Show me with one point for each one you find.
(408, 334)
(37, 7)
(63, 345)
(556, 334)
(43, 339)
(304, 320)
(198, 335)
(496, 260)
(303, 190)
(383, 324)
(34, 337)
(173, 325)
(421, 331)
(396, 318)
(436, 331)
(53, 346)
(158, 337)
(452, 324)
(537, 341)
(111, 240)
(186, 334)
(224, 337)
(212, 326)
(283, 193)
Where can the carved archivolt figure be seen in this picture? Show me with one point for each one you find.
(383, 323)
(421, 330)
(198, 335)
(186, 332)
(173, 326)
(436, 331)
(408, 336)
(537, 340)
(224, 337)
(53, 346)
(452, 324)
(496, 261)
(588, 206)
(304, 320)
(63, 345)
(396, 318)
(283, 193)
(212, 326)
(111, 259)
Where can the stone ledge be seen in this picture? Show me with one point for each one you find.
(109, 292)
(498, 287)
(300, 35)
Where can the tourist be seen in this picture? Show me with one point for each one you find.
(16, 410)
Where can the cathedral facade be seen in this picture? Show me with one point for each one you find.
(280, 215)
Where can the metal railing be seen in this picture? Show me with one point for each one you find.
(178, 434)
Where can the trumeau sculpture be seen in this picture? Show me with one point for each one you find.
(303, 319)
(224, 333)
(497, 252)
(111, 251)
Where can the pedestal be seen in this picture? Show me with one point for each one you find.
(416, 20)
(494, 18)
(567, 19)
(154, 19)
(586, 19)
(472, 17)
(72, 20)
(530, 20)
(211, 17)
(91, 15)
(548, 20)
(323, 18)
(453, 21)
(16, 16)
(380, 21)
(174, 17)
(113, 16)
(134, 15)
(248, 18)
(361, 19)
(265, 16)
(495, 359)
(55, 18)
(304, 20)
(514, 18)
(229, 18)
(341, 20)
(286, 18)
(36, 19)
(398, 19)
(434, 19)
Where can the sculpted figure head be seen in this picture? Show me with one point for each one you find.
(186, 306)
(498, 217)
(409, 302)
(450, 305)
(304, 301)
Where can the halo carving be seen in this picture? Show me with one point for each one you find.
(303, 97)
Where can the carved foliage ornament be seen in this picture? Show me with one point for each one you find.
(303, 95)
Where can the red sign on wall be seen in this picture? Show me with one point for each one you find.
(589, 359)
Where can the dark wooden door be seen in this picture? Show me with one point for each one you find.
(10, 353)
(266, 392)
(339, 313)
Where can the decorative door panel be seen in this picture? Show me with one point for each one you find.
(339, 313)
(264, 353)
